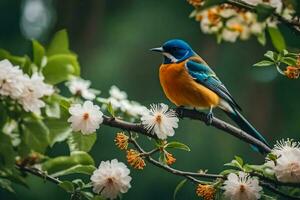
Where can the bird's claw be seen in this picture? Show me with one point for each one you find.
(209, 118)
(179, 111)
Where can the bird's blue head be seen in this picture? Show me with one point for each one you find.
(175, 51)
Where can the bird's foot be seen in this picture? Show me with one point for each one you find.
(209, 118)
(179, 111)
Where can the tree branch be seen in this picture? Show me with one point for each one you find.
(127, 126)
(188, 175)
(38, 173)
(219, 124)
(294, 25)
(192, 114)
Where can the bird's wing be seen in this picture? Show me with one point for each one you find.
(205, 76)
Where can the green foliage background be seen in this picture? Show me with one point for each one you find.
(112, 39)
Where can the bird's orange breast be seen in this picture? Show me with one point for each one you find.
(182, 90)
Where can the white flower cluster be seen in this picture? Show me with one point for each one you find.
(81, 87)
(229, 23)
(287, 165)
(160, 120)
(85, 118)
(110, 179)
(241, 187)
(118, 100)
(28, 91)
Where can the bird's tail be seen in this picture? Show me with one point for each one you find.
(248, 128)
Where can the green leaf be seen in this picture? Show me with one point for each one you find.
(15, 176)
(271, 55)
(110, 109)
(57, 122)
(67, 186)
(3, 116)
(61, 67)
(178, 187)
(38, 53)
(285, 52)
(263, 11)
(277, 38)
(239, 160)
(7, 153)
(261, 38)
(59, 130)
(77, 169)
(52, 109)
(59, 43)
(80, 142)
(23, 61)
(263, 63)
(80, 184)
(237, 163)
(289, 61)
(177, 145)
(6, 185)
(268, 197)
(162, 158)
(36, 134)
(97, 198)
(61, 163)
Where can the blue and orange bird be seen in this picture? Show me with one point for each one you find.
(188, 81)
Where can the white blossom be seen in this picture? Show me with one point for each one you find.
(133, 108)
(210, 21)
(230, 36)
(34, 89)
(160, 121)
(111, 178)
(11, 80)
(241, 187)
(78, 86)
(117, 94)
(116, 104)
(287, 166)
(85, 118)
(257, 28)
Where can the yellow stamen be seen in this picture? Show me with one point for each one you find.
(121, 141)
(135, 160)
(236, 27)
(207, 192)
(170, 159)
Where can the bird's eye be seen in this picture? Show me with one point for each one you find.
(176, 48)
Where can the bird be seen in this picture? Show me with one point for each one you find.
(188, 81)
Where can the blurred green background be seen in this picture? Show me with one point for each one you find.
(112, 38)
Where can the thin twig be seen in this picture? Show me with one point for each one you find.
(127, 126)
(37, 173)
(188, 175)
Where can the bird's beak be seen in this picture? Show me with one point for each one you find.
(157, 49)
